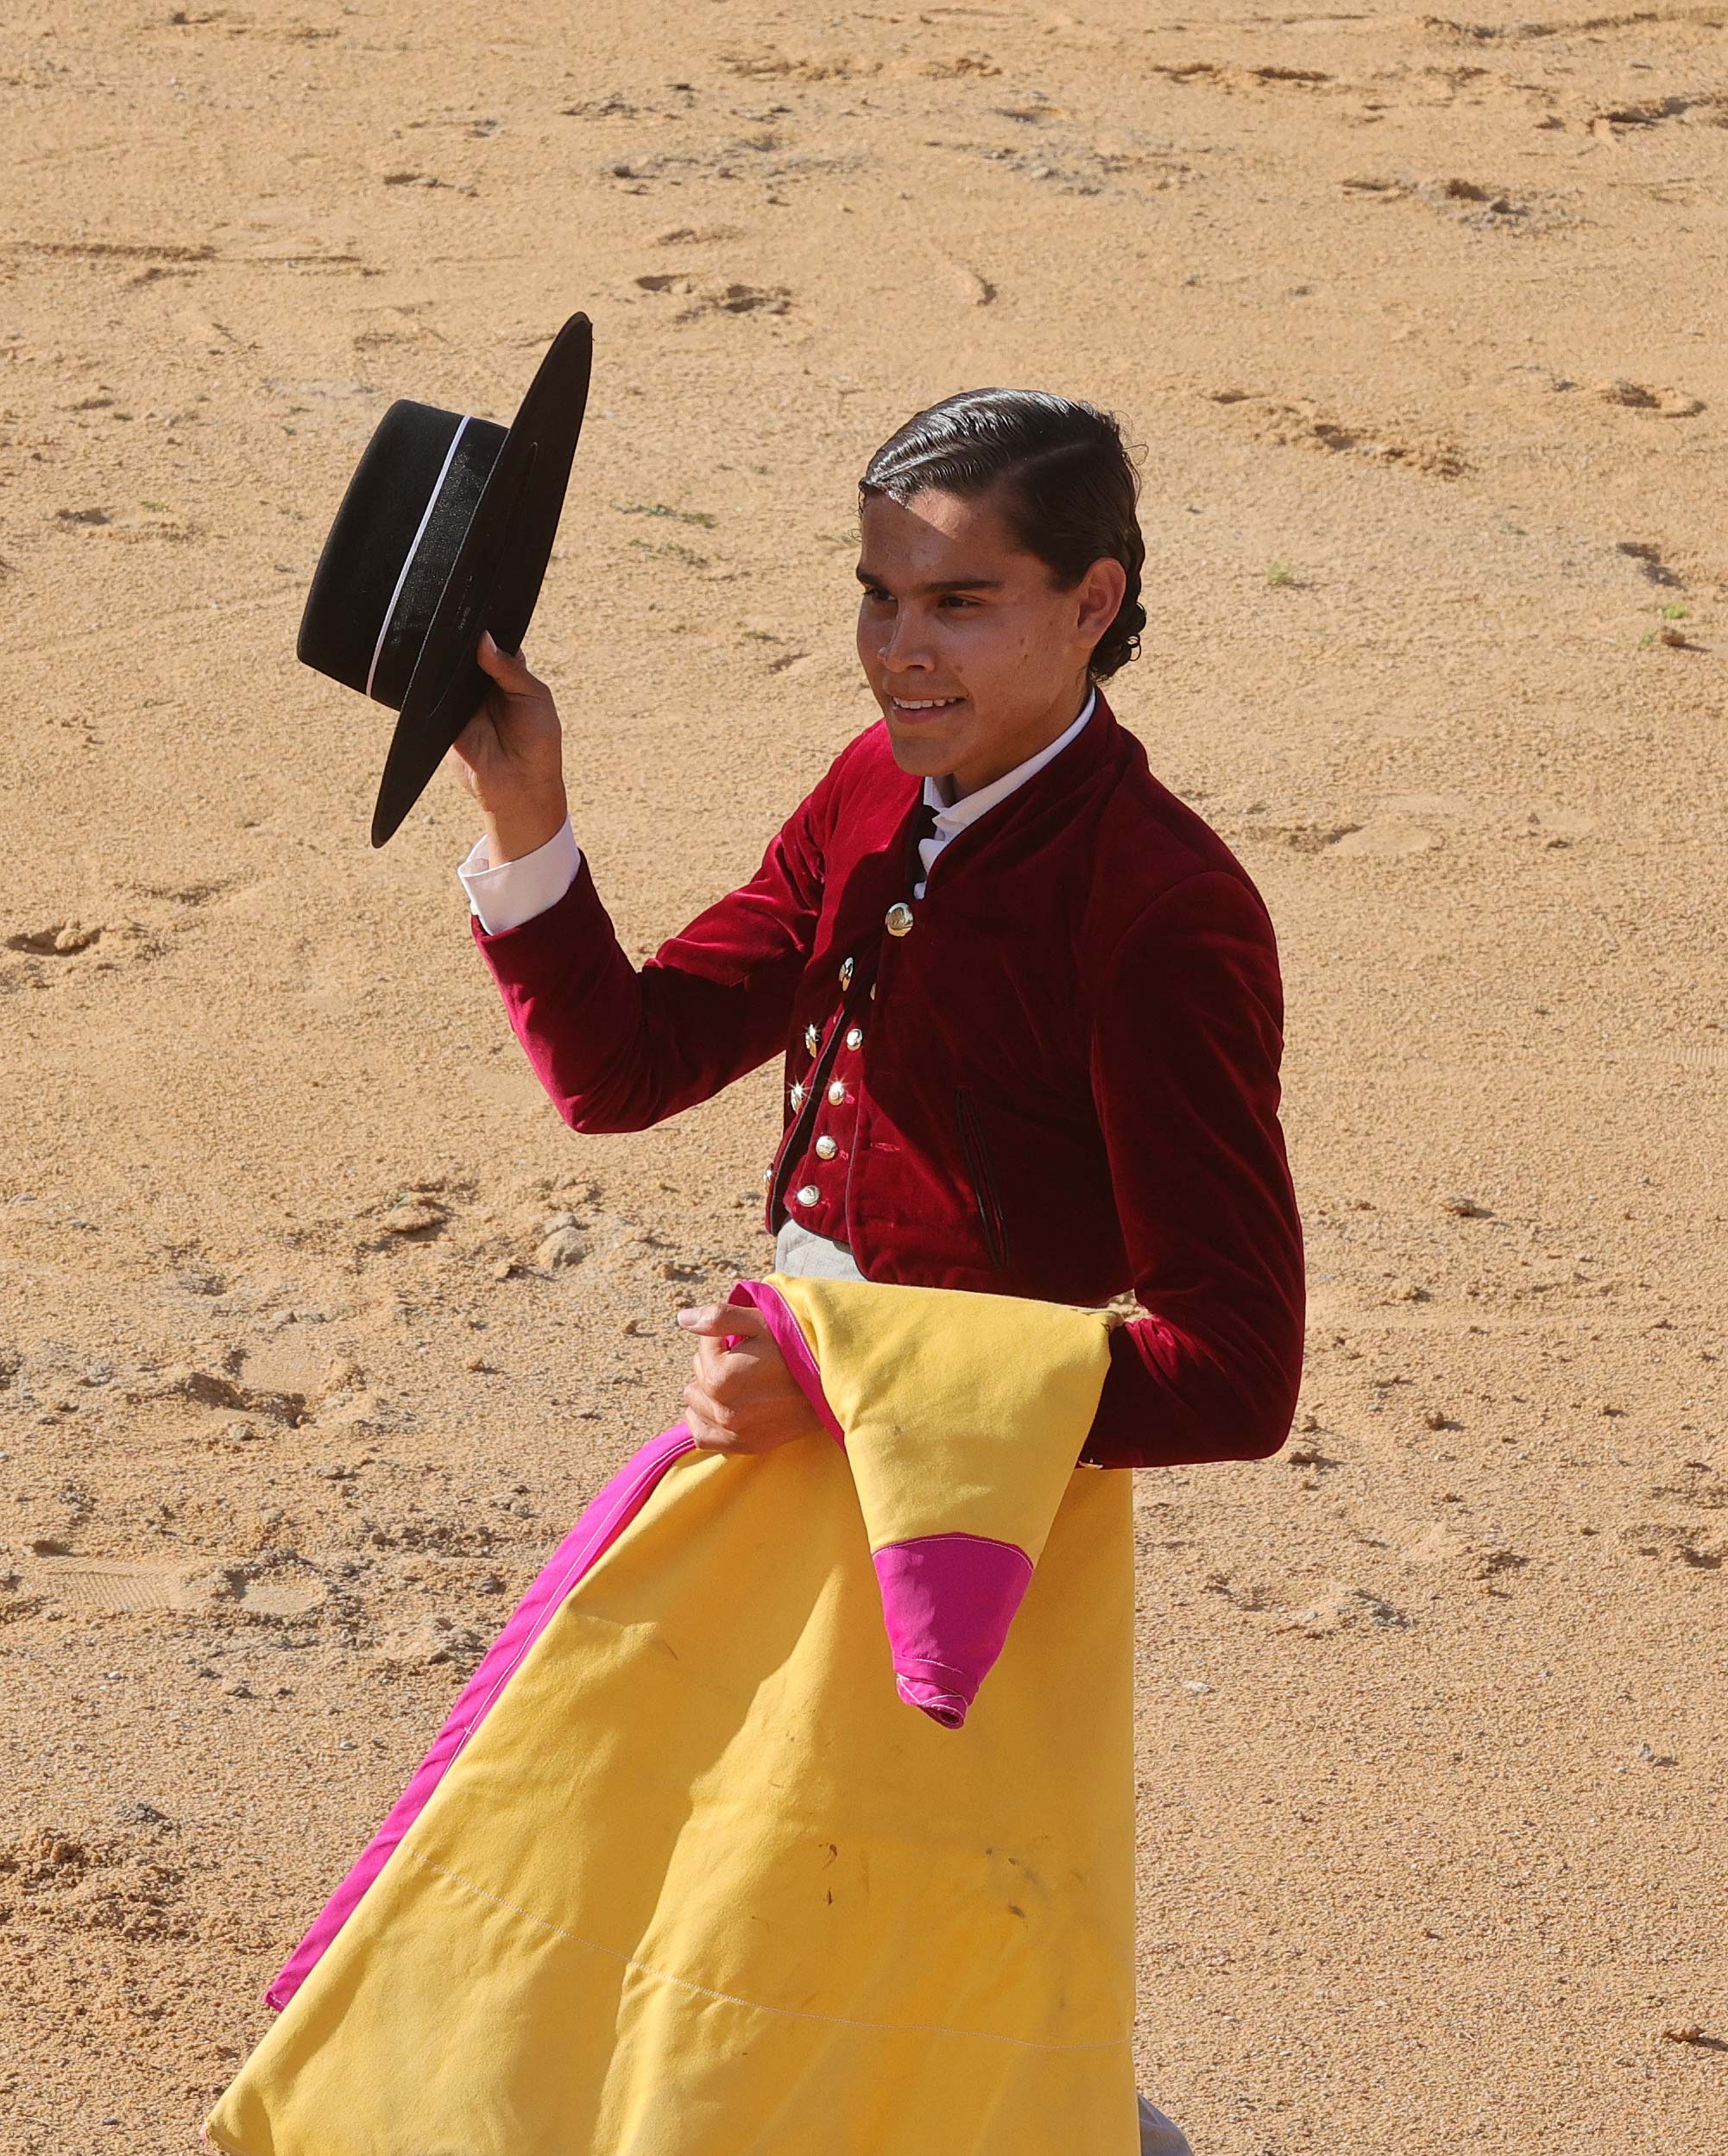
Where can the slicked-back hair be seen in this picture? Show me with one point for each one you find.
(1069, 490)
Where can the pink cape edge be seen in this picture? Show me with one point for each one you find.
(947, 1601)
(601, 1520)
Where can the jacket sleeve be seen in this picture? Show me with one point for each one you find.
(619, 1049)
(1186, 1042)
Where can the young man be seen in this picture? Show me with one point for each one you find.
(1029, 1002)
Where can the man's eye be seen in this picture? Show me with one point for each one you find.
(958, 599)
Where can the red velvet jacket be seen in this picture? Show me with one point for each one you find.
(1060, 1080)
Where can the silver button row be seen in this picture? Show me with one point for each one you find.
(812, 1035)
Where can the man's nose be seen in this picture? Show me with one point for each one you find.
(906, 648)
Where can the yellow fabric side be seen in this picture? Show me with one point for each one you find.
(963, 1413)
(701, 1885)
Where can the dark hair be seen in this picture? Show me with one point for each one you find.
(1069, 488)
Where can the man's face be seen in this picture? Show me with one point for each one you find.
(975, 655)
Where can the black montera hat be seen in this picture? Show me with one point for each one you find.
(445, 530)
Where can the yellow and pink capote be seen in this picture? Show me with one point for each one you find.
(723, 1851)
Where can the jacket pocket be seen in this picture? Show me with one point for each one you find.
(983, 1178)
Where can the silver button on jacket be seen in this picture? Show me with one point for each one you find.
(825, 1147)
(808, 1194)
(836, 1091)
(855, 1037)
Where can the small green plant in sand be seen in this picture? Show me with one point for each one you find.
(1281, 575)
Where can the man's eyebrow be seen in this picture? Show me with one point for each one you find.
(944, 583)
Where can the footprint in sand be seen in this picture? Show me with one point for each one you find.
(707, 296)
(1676, 1545)
(1341, 1607)
(1131, 170)
(1484, 208)
(1485, 1563)
(612, 106)
(698, 235)
(429, 180)
(127, 942)
(772, 65)
(113, 251)
(1650, 562)
(1388, 837)
(1709, 107)
(1243, 80)
(1633, 396)
(148, 520)
(145, 1583)
(1303, 423)
(1345, 1608)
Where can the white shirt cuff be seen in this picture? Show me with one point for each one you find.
(505, 898)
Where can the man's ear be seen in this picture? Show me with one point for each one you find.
(1101, 592)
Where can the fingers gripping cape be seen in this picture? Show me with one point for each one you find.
(704, 1863)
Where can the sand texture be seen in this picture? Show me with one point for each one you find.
(317, 1327)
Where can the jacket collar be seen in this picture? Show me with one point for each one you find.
(954, 816)
(1098, 744)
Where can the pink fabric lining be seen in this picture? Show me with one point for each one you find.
(947, 1601)
(603, 1520)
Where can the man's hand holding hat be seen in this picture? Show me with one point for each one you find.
(510, 757)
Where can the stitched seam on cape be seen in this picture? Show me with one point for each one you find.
(954, 1535)
(732, 1998)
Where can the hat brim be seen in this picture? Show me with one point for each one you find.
(495, 577)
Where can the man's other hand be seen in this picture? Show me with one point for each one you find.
(741, 1398)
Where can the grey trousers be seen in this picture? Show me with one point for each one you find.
(804, 1256)
(1160, 2136)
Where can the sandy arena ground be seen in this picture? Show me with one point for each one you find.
(1421, 323)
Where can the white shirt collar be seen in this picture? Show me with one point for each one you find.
(954, 816)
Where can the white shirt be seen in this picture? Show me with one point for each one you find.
(506, 897)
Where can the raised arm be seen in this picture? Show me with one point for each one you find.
(1185, 1056)
(618, 1049)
